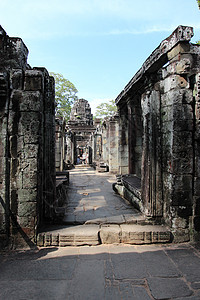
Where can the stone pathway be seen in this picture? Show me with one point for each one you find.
(102, 272)
(95, 215)
(91, 200)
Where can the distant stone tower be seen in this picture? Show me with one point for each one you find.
(81, 113)
(80, 128)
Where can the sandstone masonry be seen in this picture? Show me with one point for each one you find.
(153, 142)
(159, 135)
(27, 148)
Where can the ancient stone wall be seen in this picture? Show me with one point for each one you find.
(27, 148)
(160, 107)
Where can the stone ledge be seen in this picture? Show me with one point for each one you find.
(124, 192)
(93, 235)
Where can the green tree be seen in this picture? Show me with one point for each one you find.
(65, 95)
(106, 109)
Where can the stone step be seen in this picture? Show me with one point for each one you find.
(137, 218)
(93, 235)
(82, 166)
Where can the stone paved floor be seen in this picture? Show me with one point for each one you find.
(102, 272)
(92, 200)
(95, 214)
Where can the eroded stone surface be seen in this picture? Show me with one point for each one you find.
(27, 172)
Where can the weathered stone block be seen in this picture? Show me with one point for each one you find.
(27, 221)
(183, 66)
(2, 168)
(31, 151)
(180, 117)
(180, 48)
(2, 147)
(182, 182)
(29, 126)
(183, 112)
(40, 239)
(110, 234)
(174, 82)
(55, 240)
(27, 209)
(19, 53)
(179, 137)
(181, 236)
(26, 101)
(3, 127)
(179, 223)
(177, 96)
(182, 164)
(30, 179)
(19, 180)
(134, 237)
(137, 234)
(17, 79)
(79, 235)
(27, 195)
(47, 239)
(34, 80)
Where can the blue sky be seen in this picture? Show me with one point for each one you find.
(97, 44)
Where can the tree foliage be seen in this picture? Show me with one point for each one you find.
(65, 95)
(106, 109)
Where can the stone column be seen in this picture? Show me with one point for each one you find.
(123, 141)
(4, 160)
(113, 144)
(177, 141)
(26, 149)
(151, 155)
(195, 224)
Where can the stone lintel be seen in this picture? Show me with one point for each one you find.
(157, 59)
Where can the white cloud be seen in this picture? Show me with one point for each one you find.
(47, 19)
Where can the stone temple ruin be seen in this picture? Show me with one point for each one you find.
(80, 128)
(151, 144)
